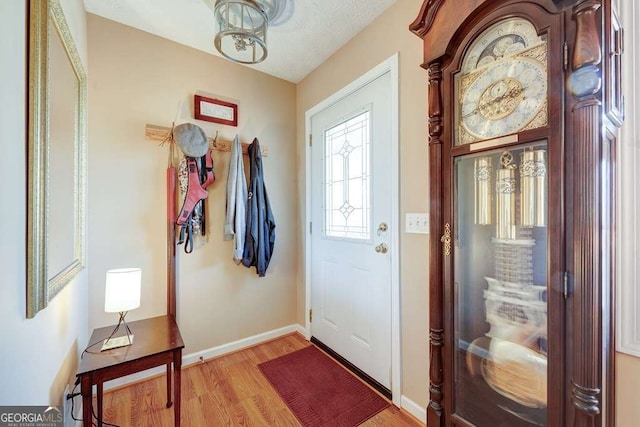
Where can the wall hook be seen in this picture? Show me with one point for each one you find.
(215, 140)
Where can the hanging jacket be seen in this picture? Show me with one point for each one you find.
(261, 236)
(235, 220)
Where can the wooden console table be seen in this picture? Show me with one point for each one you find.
(157, 341)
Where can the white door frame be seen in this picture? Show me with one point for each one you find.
(390, 65)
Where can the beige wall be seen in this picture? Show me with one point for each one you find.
(627, 391)
(387, 35)
(40, 355)
(140, 78)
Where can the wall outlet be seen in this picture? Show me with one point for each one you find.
(417, 223)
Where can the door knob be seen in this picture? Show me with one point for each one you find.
(382, 248)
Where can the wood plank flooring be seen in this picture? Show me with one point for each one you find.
(227, 391)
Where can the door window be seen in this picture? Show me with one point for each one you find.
(347, 185)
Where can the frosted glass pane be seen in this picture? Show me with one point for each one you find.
(356, 194)
(356, 219)
(338, 219)
(337, 168)
(356, 167)
(347, 155)
(337, 198)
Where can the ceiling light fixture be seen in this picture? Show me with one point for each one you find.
(242, 26)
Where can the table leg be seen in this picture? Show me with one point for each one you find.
(177, 364)
(86, 391)
(169, 395)
(99, 397)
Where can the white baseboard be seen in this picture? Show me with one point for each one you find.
(210, 353)
(303, 331)
(240, 344)
(414, 409)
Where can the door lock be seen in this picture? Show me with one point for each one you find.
(382, 248)
(382, 227)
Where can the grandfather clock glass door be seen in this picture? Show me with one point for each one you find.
(500, 274)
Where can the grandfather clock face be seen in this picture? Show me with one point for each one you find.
(502, 87)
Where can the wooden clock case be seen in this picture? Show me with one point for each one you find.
(585, 111)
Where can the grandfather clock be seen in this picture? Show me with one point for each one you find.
(524, 105)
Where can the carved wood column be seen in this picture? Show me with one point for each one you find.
(585, 84)
(435, 411)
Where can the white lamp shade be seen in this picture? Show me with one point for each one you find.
(122, 291)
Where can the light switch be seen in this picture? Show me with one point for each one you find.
(417, 223)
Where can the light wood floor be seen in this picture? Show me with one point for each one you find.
(226, 391)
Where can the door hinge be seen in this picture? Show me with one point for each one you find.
(310, 227)
(310, 140)
(565, 55)
(311, 315)
(565, 285)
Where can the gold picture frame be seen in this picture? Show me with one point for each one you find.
(56, 184)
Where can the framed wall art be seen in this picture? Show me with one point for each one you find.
(215, 110)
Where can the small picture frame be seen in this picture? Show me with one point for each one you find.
(215, 110)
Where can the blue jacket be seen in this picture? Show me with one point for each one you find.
(261, 234)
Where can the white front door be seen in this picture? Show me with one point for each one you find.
(351, 197)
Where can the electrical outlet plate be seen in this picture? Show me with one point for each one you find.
(417, 223)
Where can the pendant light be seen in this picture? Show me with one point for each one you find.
(241, 27)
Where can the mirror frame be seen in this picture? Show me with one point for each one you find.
(43, 285)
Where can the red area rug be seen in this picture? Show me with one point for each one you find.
(319, 391)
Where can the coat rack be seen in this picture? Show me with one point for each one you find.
(157, 133)
(160, 134)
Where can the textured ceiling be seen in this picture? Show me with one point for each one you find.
(315, 31)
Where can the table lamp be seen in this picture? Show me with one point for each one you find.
(122, 293)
